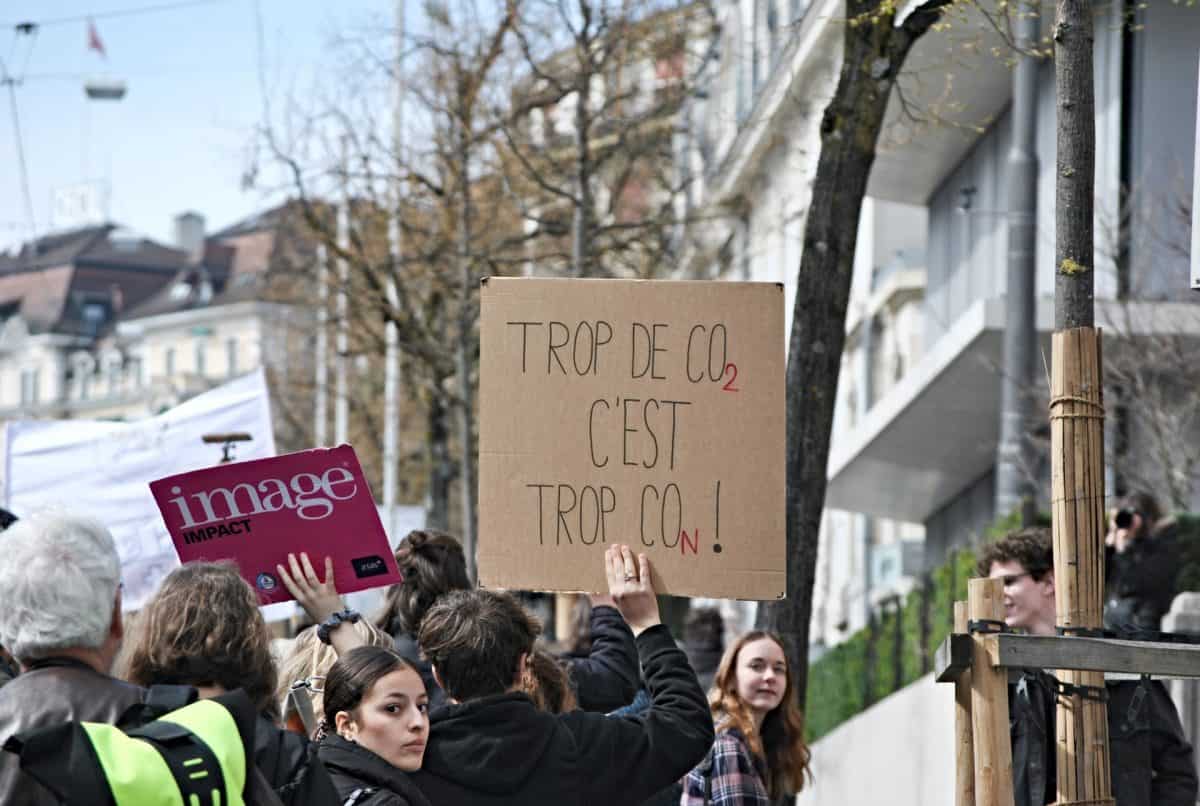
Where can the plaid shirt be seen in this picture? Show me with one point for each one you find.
(730, 775)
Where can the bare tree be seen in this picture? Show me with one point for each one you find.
(874, 48)
(589, 135)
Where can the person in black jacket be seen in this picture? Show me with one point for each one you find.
(1140, 565)
(375, 727)
(492, 746)
(602, 658)
(1151, 760)
(203, 628)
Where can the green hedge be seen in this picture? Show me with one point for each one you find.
(863, 670)
(855, 674)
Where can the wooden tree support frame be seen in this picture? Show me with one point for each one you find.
(1005, 653)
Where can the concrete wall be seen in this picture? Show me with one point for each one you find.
(899, 752)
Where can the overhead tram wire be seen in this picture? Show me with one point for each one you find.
(120, 12)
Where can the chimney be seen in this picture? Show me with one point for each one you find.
(189, 235)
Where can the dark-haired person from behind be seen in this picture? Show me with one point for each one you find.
(375, 727)
(491, 746)
(432, 564)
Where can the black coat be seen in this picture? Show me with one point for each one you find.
(293, 771)
(606, 677)
(1139, 583)
(407, 647)
(1151, 761)
(501, 750)
(368, 779)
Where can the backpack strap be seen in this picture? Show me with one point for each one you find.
(168, 697)
(195, 767)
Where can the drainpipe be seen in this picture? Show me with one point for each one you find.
(1013, 487)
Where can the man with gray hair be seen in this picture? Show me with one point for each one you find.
(60, 617)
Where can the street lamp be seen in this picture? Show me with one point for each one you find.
(104, 89)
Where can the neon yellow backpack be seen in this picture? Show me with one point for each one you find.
(197, 755)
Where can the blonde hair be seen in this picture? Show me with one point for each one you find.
(310, 660)
(781, 741)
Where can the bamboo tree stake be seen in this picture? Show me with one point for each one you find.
(964, 746)
(1077, 504)
(989, 702)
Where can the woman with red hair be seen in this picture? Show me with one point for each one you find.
(759, 753)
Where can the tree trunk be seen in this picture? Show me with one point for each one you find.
(464, 352)
(441, 465)
(874, 50)
(583, 215)
(1076, 166)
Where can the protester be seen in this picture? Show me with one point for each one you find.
(431, 564)
(602, 662)
(8, 666)
(759, 754)
(601, 656)
(304, 669)
(704, 642)
(494, 747)
(1150, 760)
(1141, 564)
(490, 744)
(203, 628)
(548, 684)
(60, 615)
(375, 727)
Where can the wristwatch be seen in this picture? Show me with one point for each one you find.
(330, 624)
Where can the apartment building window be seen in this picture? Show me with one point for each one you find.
(231, 363)
(169, 363)
(30, 382)
(200, 358)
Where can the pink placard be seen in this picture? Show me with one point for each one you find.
(256, 513)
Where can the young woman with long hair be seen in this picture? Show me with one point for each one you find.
(375, 726)
(759, 753)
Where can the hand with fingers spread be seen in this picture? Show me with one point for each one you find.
(320, 600)
(631, 588)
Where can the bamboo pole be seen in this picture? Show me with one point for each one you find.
(964, 746)
(1077, 509)
(989, 703)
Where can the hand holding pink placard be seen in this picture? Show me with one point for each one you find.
(256, 512)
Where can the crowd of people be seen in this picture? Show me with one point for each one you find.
(449, 696)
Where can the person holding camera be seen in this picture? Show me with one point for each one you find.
(1141, 563)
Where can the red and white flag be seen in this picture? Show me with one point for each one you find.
(93, 40)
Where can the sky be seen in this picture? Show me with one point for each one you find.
(183, 137)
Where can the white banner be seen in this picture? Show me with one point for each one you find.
(103, 469)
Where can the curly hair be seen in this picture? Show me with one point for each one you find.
(781, 741)
(432, 564)
(1031, 547)
(203, 628)
(309, 659)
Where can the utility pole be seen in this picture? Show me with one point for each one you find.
(321, 414)
(1014, 488)
(391, 367)
(341, 403)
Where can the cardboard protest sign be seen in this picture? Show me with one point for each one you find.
(255, 513)
(642, 412)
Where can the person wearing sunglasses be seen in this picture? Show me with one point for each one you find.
(1151, 761)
